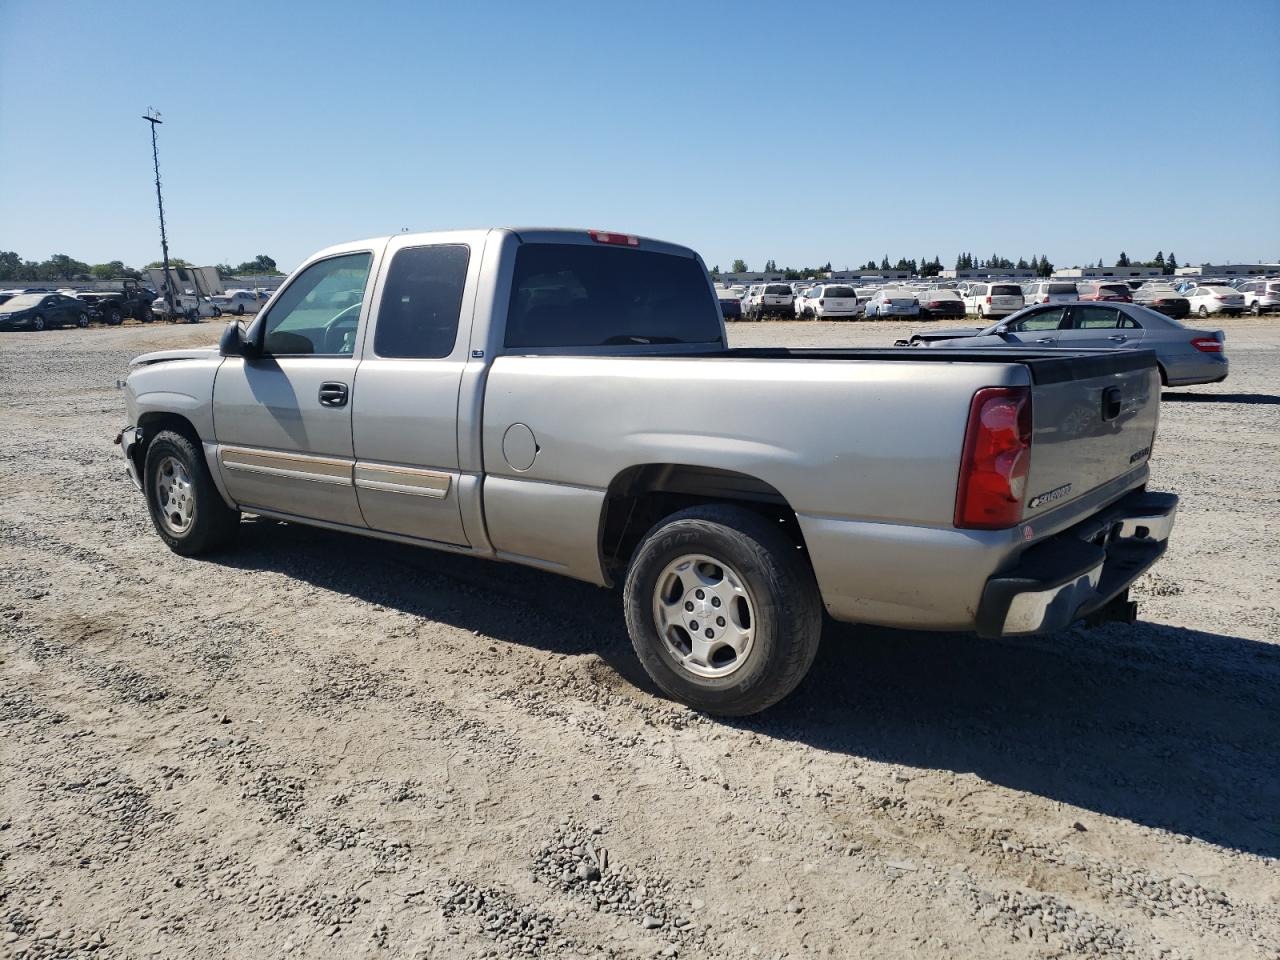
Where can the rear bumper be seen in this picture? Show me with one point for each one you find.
(1079, 571)
(1199, 368)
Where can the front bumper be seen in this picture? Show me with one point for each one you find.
(1079, 571)
(128, 439)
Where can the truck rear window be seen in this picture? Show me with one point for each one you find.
(1006, 290)
(570, 295)
(778, 290)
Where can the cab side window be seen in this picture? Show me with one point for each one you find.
(418, 317)
(319, 311)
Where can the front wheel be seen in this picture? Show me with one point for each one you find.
(82, 320)
(1203, 312)
(37, 322)
(1256, 309)
(722, 609)
(114, 317)
(186, 508)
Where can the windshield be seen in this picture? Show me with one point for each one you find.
(572, 295)
(777, 290)
(23, 301)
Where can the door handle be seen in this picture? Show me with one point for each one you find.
(333, 394)
(1045, 340)
(1118, 338)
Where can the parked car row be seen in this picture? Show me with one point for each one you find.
(990, 300)
(41, 309)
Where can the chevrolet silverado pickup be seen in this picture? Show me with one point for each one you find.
(568, 400)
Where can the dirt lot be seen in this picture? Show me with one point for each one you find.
(324, 746)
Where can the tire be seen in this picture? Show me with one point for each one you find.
(1256, 309)
(748, 569)
(188, 512)
(37, 322)
(82, 320)
(114, 317)
(240, 310)
(1203, 312)
(980, 315)
(147, 316)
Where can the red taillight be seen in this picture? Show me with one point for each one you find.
(996, 459)
(988, 301)
(1207, 345)
(619, 239)
(1044, 299)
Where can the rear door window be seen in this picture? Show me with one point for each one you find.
(1006, 290)
(418, 317)
(573, 295)
(1060, 288)
(777, 290)
(1095, 318)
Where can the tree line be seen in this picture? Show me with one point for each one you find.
(965, 261)
(60, 266)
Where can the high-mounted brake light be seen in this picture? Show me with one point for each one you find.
(1207, 344)
(618, 239)
(996, 459)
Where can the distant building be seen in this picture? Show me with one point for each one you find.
(869, 275)
(751, 277)
(1230, 270)
(987, 273)
(1096, 273)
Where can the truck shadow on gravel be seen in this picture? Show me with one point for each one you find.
(1171, 728)
(1245, 398)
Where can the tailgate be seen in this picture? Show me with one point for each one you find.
(1093, 420)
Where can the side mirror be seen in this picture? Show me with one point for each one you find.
(237, 341)
(1002, 329)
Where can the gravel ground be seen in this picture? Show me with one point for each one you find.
(325, 746)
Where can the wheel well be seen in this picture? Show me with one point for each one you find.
(1164, 375)
(150, 424)
(642, 495)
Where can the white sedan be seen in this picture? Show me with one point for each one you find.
(893, 303)
(238, 302)
(1205, 299)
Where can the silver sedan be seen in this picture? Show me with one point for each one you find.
(1185, 356)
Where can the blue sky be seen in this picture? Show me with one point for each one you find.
(801, 132)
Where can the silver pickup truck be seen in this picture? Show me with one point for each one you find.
(568, 400)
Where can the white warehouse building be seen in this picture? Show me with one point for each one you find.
(1083, 273)
(1230, 270)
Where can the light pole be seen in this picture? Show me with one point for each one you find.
(152, 117)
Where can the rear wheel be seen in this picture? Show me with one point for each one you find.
(722, 610)
(37, 322)
(114, 317)
(1256, 309)
(82, 320)
(188, 512)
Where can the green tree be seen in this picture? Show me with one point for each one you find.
(10, 265)
(173, 262)
(884, 263)
(739, 266)
(1158, 261)
(1124, 260)
(112, 271)
(259, 264)
(62, 267)
(715, 271)
(1171, 265)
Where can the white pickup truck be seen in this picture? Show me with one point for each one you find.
(568, 400)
